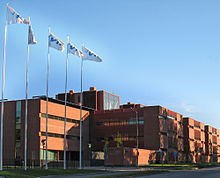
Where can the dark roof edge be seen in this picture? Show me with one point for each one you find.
(67, 103)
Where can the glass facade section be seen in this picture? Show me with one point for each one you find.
(18, 131)
(51, 155)
(110, 101)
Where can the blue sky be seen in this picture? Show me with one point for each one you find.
(154, 52)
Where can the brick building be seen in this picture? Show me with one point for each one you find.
(194, 140)
(14, 114)
(212, 144)
(98, 100)
(158, 129)
(161, 134)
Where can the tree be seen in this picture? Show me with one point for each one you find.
(119, 140)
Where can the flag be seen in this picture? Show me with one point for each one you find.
(73, 50)
(13, 17)
(54, 42)
(31, 37)
(89, 55)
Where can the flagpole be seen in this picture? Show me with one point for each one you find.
(48, 60)
(26, 108)
(81, 100)
(3, 87)
(64, 164)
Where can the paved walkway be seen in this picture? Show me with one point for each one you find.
(112, 171)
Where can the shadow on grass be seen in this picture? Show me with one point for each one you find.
(137, 173)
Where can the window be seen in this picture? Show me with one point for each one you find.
(18, 109)
(71, 137)
(99, 123)
(171, 117)
(61, 119)
(51, 155)
(191, 127)
(197, 126)
(18, 134)
(110, 101)
(18, 131)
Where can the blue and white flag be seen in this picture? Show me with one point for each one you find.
(89, 55)
(73, 50)
(54, 42)
(31, 37)
(14, 18)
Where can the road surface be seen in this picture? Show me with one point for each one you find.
(201, 173)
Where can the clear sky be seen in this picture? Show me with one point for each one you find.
(154, 52)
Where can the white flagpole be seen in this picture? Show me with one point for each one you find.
(26, 108)
(3, 87)
(64, 163)
(48, 60)
(81, 100)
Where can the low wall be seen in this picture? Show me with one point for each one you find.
(125, 156)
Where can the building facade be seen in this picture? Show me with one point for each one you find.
(212, 144)
(98, 100)
(194, 140)
(14, 114)
(151, 128)
(161, 134)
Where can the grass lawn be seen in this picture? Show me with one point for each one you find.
(166, 165)
(42, 172)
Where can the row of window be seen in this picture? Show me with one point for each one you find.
(71, 137)
(124, 122)
(60, 118)
(123, 138)
(170, 117)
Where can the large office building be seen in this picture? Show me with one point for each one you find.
(14, 114)
(158, 129)
(98, 100)
(151, 133)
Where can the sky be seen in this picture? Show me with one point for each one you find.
(154, 52)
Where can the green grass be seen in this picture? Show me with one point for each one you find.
(190, 166)
(166, 165)
(42, 172)
(137, 173)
